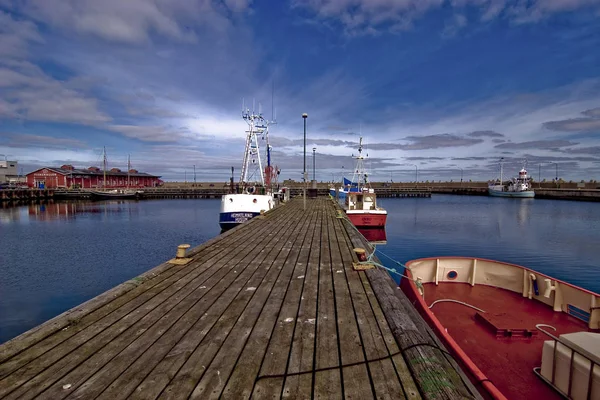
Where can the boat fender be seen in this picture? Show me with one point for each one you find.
(536, 290)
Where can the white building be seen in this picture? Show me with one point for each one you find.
(9, 171)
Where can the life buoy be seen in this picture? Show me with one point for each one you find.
(251, 189)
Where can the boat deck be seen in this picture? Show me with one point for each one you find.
(270, 309)
(507, 361)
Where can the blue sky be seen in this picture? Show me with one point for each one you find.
(439, 84)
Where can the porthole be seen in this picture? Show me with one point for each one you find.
(452, 275)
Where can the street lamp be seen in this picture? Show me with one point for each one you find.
(304, 116)
(556, 178)
(416, 174)
(194, 174)
(314, 164)
(461, 176)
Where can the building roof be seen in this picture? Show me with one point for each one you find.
(99, 172)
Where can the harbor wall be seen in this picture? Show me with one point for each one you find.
(382, 189)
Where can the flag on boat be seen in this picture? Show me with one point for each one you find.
(348, 182)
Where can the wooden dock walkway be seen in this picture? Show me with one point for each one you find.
(270, 309)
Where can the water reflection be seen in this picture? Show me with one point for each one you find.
(523, 212)
(64, 210)
(374, 235)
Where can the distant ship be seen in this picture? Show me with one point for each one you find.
(105, 193)
(517, 187)
(253, 194)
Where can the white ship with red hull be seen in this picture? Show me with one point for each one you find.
(361, 205)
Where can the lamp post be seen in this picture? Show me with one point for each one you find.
(556, 178)
(304, 116)
(540, 175)
(416, 174)
(461, 176)
(194, 174)
(314, 164)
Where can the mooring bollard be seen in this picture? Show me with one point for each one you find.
(361, 254)
(180, 256)
(181, 250)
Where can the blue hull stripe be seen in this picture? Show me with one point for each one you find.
(231, 219)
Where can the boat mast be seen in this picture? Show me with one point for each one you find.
(360, 174)
(104, 168)
(128, 168)
(501, 170)
(257, 125)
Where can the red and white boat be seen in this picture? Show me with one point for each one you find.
(361, 205)
(519, 334)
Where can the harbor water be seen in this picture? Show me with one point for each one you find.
(56, 256)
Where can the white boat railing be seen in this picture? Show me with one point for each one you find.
(576, 357)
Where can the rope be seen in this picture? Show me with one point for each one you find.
(456, 301)
(285, 375)
(392, 270)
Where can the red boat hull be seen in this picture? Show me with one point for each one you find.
(367, 220)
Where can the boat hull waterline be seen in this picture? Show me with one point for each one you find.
(114, 195)
(517, 195)
(239, 208)
(366, 219)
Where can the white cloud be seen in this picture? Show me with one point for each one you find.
(15, 35)
(373, 16)
(30, 94)
(133, 21)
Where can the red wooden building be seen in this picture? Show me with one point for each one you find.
(67, 176)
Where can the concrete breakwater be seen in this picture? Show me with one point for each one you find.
(207, 191)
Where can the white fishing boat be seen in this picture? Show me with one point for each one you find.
(516, 187)
(360, 202)
(254, 192)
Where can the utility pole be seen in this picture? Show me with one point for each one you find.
(314, 164)
(304, 177)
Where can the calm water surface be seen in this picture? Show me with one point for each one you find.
(57, 256)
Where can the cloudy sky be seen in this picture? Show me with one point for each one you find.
(441, 84)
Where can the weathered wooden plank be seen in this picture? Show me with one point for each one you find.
(434, 376)
(351, 341)
(243, 377)
(165, 331)
(212, 336)
(276, 358)
(386, 383)
(107, 331)
(119, 335)
(56, 324)
(212, 384)
(111, 305)
(302, 356)
(328, 383)
(399, 365)
(166, 356)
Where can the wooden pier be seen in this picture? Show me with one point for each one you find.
(271, 309)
